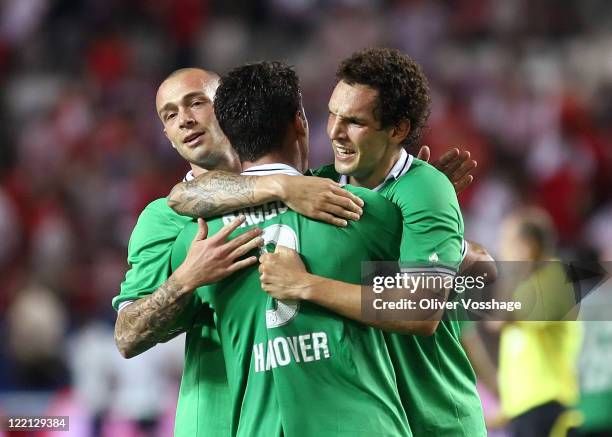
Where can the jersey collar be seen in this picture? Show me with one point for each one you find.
(189, 176)
(401, 167)
(259, 170)
(266, 169)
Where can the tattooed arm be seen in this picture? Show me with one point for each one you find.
(218, 192)
(148, 321)
(152, 319)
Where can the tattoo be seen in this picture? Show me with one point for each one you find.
(148, 321)
(213, 193)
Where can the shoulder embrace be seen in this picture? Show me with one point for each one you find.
(427, 184)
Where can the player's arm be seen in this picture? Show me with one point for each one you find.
(478, 262)
(147, 321)
(431, 242)
(284, 276)
(152, 319)
(218, 192)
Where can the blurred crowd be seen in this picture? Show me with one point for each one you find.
(526, 86)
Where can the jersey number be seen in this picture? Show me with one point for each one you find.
(283, 311)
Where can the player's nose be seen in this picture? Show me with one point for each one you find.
(186, 119)
(335, 129)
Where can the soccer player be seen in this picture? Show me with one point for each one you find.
(381, 94)
(149, 311)
(184, 104)
(296, 369)
(539, 347)
(155, 305)
(379, 105)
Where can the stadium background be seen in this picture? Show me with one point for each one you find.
(526, 86)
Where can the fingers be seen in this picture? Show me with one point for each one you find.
(455, 163)
(424, 154)
(266, 284)
(333, 182)
(340, 212)
(246, 247)
(355, 203)
(463, 170)
(242, 264)
(264, 267)
(265, 273)
(457, 166)
(263, 258)
(463, 183)
(284, 250)
(229, 228)
(342, 204)
(447, 158)
(242, 239)
(331, 219)
(202, 230)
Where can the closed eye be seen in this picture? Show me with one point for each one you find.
(351, 120)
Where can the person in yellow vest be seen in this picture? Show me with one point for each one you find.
(538, 349)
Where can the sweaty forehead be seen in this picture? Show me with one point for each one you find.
(352, 100)
(175, 88)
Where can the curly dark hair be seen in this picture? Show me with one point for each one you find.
(254, 105)
(403, 90)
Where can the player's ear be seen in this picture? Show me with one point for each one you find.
(300, 122)
(400, 132)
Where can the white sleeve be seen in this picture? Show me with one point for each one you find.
(124, 304)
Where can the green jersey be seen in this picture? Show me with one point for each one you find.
(434, 377)
(594, 370)
(149, 252)
(295, 368)
(596, 376)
